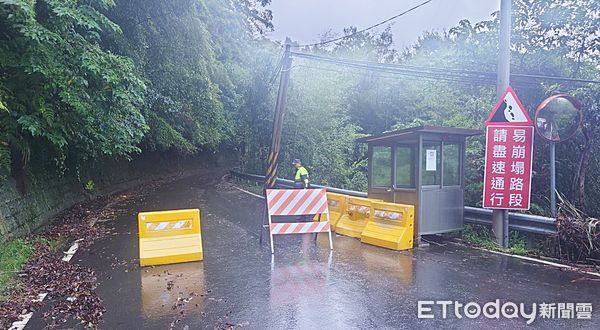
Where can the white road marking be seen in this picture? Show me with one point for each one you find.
(249, 193)
(69, 254)
(550, 263)
(20, 325)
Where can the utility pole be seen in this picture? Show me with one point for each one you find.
(271, 173)
(500, 217)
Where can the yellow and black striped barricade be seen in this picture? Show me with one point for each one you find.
(168, 237)
(337, 206)
(390, 225)
(355, 218)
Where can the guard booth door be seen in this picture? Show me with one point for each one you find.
(441, 192)
(393, 173)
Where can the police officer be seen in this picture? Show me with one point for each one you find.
(301, 182)
(301, 177)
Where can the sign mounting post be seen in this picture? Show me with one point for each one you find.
(500, 217)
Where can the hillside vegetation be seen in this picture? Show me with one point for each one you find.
(83, 81)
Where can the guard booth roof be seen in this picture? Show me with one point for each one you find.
(413, 132)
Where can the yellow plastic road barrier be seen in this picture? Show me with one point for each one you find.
(337, 206)
(390, 225)
(168, 237)
(355, 218)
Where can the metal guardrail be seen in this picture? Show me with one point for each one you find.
(527, 223)
(290, 184)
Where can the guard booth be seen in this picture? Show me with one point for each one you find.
(422, 166)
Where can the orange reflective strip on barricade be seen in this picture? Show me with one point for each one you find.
(299, 227)
(299, 204)
(160, 226)
(296, 202)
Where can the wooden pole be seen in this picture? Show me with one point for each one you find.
(271, 173)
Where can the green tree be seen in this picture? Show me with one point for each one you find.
(193, 55)
(59, 89)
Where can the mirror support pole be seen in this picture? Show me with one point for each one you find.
(553, 179)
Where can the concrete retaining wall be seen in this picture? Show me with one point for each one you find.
(30, 202)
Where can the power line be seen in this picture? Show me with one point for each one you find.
(566, 79)
(420, 76)
(439, 72)
(384, 76)
(277, 69)
(366, 29)
(417, 73)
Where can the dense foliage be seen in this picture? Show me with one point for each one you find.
(59, 89)
(82, 80)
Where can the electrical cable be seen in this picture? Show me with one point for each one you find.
(277, 70)
(365, 29)
(412, 72)
(401, 76)
(431, 70)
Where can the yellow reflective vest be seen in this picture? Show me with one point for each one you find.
(301, 174)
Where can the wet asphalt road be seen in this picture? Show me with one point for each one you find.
(304, 285)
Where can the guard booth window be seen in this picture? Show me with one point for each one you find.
(405, 167)
(432, 164)
(451, 164)
(382, 167)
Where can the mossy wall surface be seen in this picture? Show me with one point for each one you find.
(28, 202)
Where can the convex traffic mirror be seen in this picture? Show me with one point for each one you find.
(558, 117)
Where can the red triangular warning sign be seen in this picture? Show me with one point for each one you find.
(509, 111)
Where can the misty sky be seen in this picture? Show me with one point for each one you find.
(305, 20)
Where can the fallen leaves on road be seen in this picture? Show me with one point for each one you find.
(70, 287)
(70, 290)
(180, 305)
